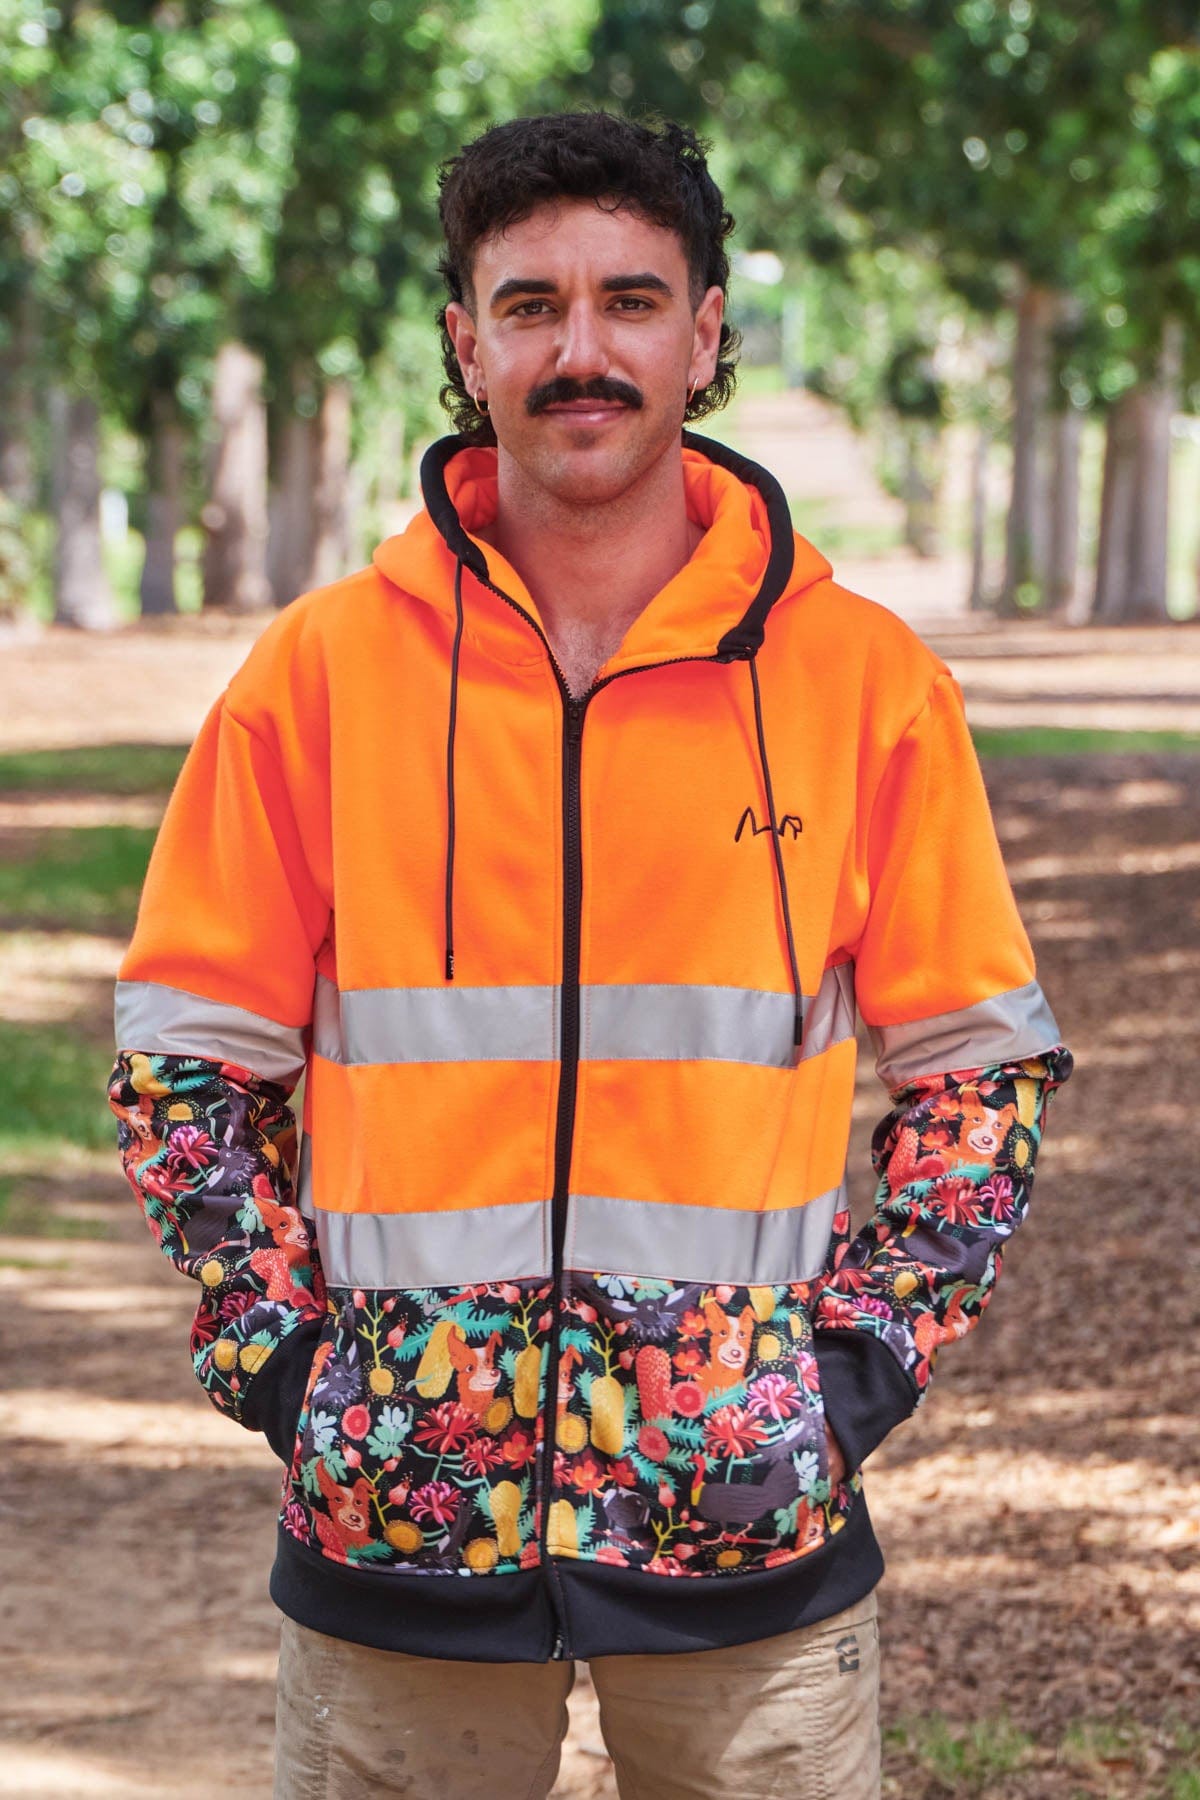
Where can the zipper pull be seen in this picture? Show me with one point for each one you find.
(556, 1653)
(575, 712)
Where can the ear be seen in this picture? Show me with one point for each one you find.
(746, 1320)
(461, 1355)
(706, 338)
(461, 328)
(717, 1320)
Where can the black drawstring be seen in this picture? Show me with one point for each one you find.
(458, 631)
(780, 876)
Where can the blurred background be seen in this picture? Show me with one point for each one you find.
(967, 272)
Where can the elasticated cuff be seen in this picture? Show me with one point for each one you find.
(273, 1402)
(866, 1392)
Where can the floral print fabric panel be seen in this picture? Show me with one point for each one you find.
(418, 1442)
(209, 1150)
(689, 1429)
(955, 1159)
(690, 1436)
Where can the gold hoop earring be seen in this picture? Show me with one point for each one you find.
(481, 406)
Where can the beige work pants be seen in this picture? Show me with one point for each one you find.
(794, 1717)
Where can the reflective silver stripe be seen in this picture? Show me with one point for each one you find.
(1006, 1029)
(829, 1019)
(651, 1021)
(700, 1243)
(168, 1021)
(442, 1024)
(304, 1199)
(435, 1249)
(662, 1021)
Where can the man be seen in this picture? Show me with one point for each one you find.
(557, 848)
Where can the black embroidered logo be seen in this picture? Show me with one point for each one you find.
(847, 1654)
(791, 825)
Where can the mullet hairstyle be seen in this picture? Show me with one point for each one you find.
(657, 170)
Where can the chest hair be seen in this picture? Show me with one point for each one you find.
(583, 646)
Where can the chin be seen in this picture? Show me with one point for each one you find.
(592, 472)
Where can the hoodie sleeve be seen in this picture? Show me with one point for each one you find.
(969, 1052)
(213, 1017)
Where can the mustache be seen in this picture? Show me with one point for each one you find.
(562, 389)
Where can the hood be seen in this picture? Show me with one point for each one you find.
(717, 604)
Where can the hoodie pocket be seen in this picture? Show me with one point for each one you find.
(418, 1440)
(691, 1430)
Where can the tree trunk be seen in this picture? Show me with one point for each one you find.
(1157, 405)
(310, 539)
(1028, 533)
(1131, 573)
(1063, 572)
(18, 470)
(291, 542)
(1118, 501)
(977, 598)
(82, 596)
(235, 516)
(331, 524)
(164, 505)
(918, 494)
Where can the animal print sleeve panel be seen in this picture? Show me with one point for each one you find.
(210, 1151)
(955, 1159)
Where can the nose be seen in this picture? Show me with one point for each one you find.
(582, 352)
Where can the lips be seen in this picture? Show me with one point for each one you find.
(586, 409)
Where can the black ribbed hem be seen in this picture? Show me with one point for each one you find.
(609, 1611)
(624, 1612)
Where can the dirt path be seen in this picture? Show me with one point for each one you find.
(1041, 1517)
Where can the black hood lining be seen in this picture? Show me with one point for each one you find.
(743, 639)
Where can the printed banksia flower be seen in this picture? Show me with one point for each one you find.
(404, 1535)
(505, 1501)
(571, 1434)
(563, 1534)
(762, 1299)
(608, 1414)
(435, 1368)
(527, 1381)
(498, 1414)
(653, 1367)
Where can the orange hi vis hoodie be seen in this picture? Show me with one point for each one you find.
(560, 1289)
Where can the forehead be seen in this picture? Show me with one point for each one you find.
(579, 239)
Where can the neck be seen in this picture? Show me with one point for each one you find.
(592, 565)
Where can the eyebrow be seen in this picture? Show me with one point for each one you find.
(612, 284)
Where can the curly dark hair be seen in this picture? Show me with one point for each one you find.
(656, 168)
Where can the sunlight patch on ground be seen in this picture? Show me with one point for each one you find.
(40, 1415)
(127, 1300)
(240, 1665)
(46, 977)
(30, 1773)
(1127, 862)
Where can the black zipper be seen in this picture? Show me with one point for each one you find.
(564, 1131)
(574, 709)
